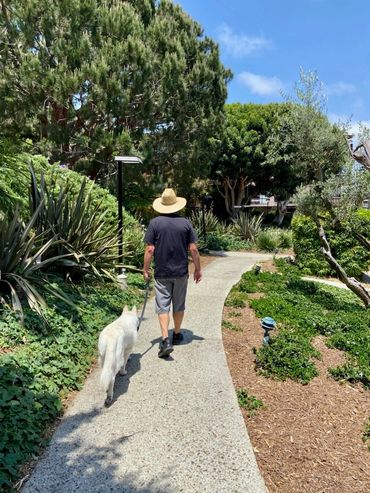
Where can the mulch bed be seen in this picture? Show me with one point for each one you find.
(308, 438)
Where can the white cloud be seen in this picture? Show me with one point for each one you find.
(261, 85)
(339, 88)
(239, 45)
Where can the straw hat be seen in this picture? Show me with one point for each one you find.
(168, 203)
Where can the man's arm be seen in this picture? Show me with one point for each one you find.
(196, 259)
(148, 255)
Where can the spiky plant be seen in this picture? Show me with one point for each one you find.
(82, 228)
(23, 258)
(210, 221)
(247, 226)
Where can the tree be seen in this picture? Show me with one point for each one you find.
(85, 79)
(241, 164)
(318, 152)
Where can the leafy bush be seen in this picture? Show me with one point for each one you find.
(268, 240)
(271, 239)
(13, 179)
(248, 402)
(235, 299)
(46, 364)
(288, 356)
(349, 253)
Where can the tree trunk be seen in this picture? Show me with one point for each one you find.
(233, 193)
(281, 211)
(352, 283)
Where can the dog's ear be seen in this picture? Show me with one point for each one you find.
(134, 310)
(125, 309)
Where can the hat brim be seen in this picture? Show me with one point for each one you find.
(169, 209)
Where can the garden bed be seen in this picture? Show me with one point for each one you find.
(306, 437)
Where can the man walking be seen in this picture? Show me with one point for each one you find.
(169, 237)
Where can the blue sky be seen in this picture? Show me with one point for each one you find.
(265, 42)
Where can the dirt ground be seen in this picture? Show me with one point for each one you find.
(308, 438)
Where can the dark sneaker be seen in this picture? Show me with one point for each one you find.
(177, 338)
(165, 348)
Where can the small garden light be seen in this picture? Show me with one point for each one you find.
(267, 324)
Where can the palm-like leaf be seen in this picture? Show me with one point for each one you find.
(21, 262)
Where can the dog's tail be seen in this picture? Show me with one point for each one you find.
(107, 359)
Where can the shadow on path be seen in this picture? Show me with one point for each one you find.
(78, 466)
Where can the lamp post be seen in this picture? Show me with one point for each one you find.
(206, 201)
(120, 161)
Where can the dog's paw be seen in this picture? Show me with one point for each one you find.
(108, 401)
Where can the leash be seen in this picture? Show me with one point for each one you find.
(144, 305)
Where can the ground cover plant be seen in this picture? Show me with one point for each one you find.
(46, 358)
(248, 402)
(304, 310)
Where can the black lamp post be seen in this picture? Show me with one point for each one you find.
(120, 161)
(206, 202)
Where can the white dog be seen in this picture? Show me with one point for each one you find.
(116, 342)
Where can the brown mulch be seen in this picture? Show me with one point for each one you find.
(308, 438)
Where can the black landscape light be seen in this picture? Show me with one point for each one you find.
(120, 161)
(267, 325)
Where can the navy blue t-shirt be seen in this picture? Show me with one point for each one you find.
(171, 235)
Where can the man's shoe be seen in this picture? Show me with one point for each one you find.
(165, 348)
(177, 338)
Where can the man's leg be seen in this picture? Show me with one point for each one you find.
(178, 317)
(164, 322)
(163, 295)
(178, 303)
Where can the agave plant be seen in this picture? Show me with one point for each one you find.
(210, 221)
(248, 227)
(23, 257)
(82, 228)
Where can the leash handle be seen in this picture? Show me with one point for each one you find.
(144, 305)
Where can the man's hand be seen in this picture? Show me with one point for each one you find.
(197, 275)
(147, 276)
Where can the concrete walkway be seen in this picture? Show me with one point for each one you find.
(174, 426)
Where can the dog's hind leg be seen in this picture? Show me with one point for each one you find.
(126, 356)
(109, 398)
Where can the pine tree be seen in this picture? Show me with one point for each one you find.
(85, 79)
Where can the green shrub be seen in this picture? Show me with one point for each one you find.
(248, 402)
(235, 299)
(352, 256)
(285, 239)
(213, 242)
(288, 356)
(268, 240)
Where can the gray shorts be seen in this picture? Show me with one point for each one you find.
(170, 290)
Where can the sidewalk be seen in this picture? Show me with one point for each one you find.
(174, 426)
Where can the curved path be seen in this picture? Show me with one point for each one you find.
(174, 426)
